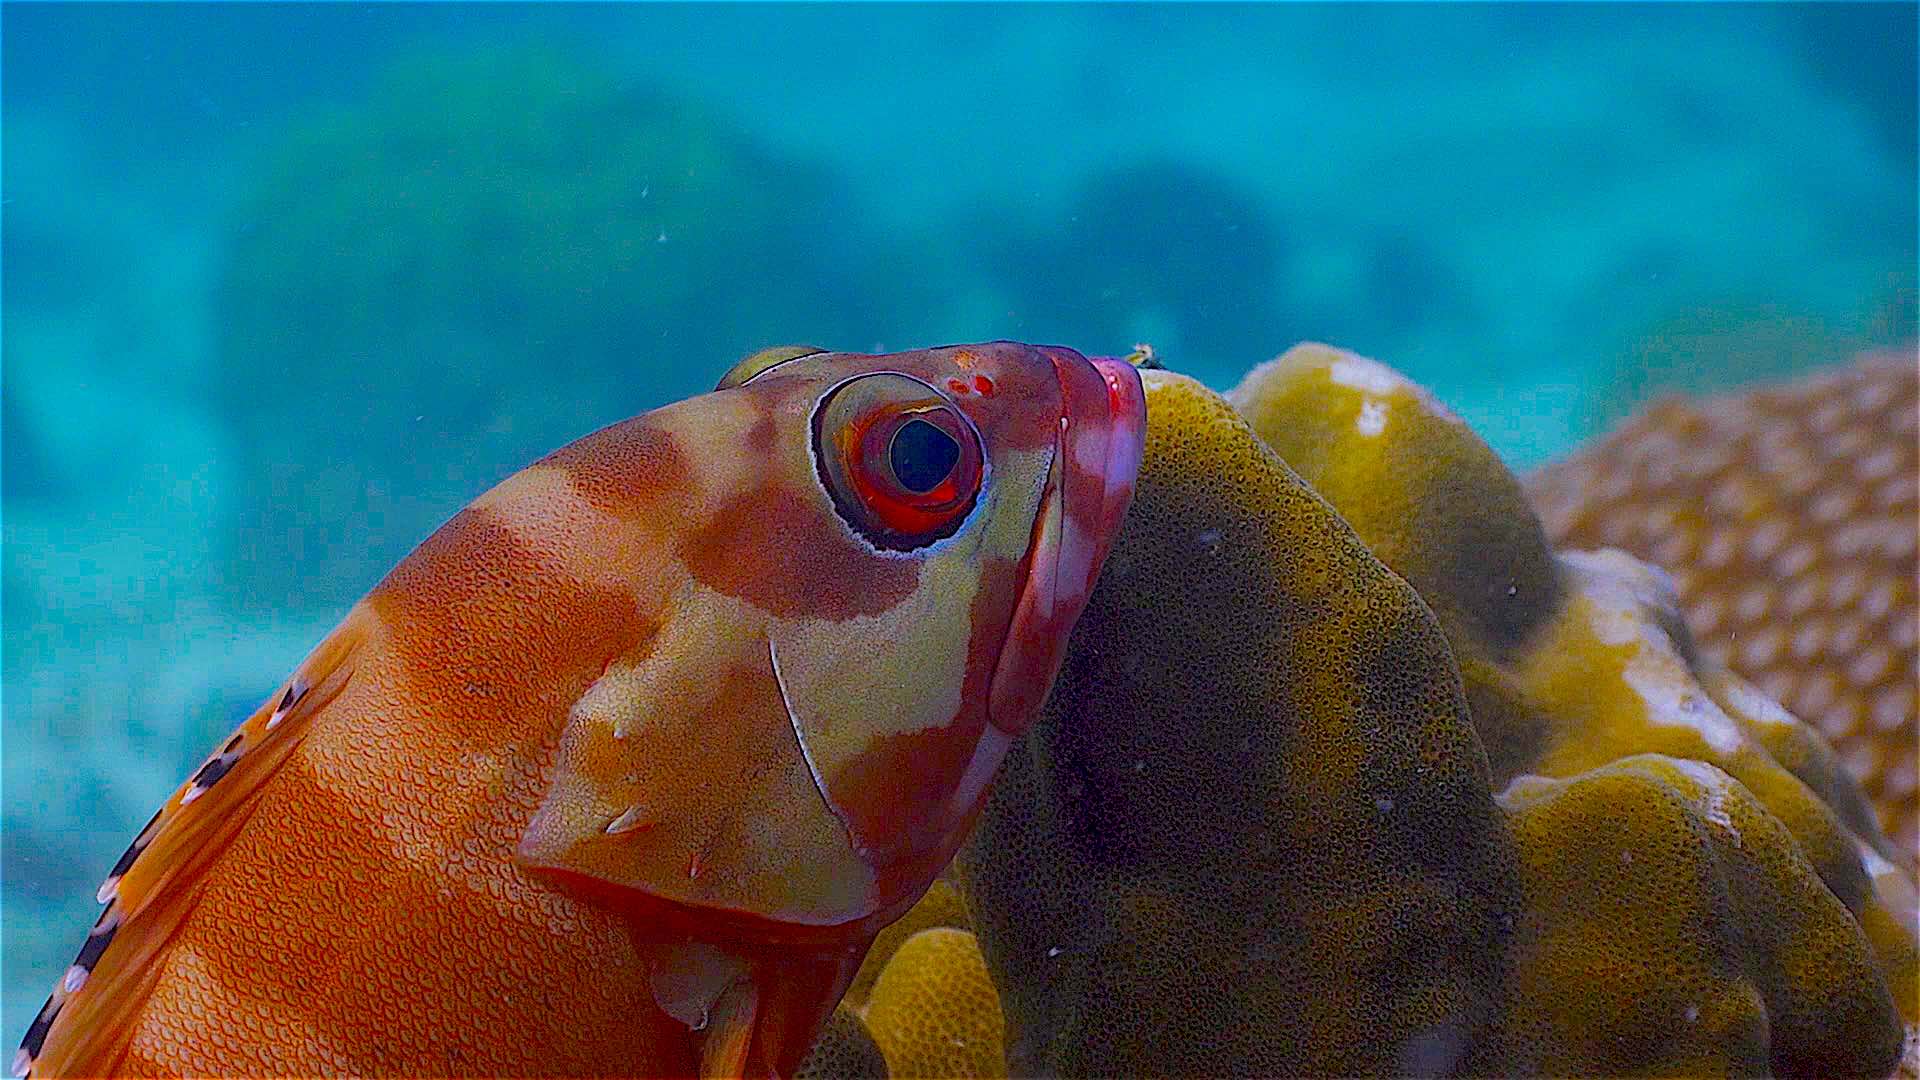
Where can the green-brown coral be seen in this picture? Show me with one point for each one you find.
(845, 1050)
(1607, 670)
(1256, 831)
(1252, 834)
(1673, 926)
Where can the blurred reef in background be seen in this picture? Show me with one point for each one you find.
(287, 285)
(487, 242)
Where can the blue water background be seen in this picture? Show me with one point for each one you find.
(284, 286)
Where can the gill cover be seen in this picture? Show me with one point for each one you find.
(863, 589)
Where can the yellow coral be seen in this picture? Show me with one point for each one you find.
(1602, 673)
(1786, 515)
(933, 1011)
(1253, 832)
(1607, 670)
(1673, 928)
(941, 906)
(1387, 454)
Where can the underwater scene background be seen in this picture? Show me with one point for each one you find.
(284, 286)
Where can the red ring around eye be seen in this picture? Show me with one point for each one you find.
(867, 444)
(855, 425)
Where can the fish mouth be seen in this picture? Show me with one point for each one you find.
(1101, 435)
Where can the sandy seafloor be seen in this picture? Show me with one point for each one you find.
(261, 257)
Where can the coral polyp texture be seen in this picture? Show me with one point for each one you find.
(1674, 926)
(1787, 516)
(933, 1010)
(845, 1050)
(1252, 833)
(1605, 670)
(922, 1004)
(941, 906)
(1349, 772)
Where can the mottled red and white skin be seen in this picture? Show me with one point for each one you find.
(620, 771)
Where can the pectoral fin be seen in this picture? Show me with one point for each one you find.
(729, 1033)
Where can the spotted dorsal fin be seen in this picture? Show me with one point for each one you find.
(84, 1027)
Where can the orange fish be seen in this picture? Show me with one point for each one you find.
(620, 772)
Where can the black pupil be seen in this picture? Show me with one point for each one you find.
(922, 455)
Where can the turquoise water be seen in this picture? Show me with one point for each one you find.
(284, 286)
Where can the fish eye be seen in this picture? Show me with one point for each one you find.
(901, 463)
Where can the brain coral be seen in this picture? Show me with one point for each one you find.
(1530, 629)
(1786, 515)
(1674, 927)
(1255, 832)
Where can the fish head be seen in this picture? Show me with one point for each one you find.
(885, 555)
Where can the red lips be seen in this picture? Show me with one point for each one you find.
(1101, 435)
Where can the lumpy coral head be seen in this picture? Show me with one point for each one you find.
(1252, 833)
(1786, 514)
(1385, 452)
(1597, 663)
(1607, 670)
(1673, 927)
(1431, 500)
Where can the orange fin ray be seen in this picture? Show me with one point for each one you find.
(86, 1024)
(730, 1031)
